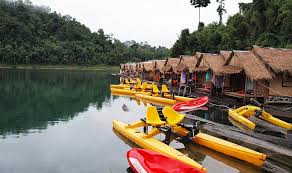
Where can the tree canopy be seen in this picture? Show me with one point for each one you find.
(34, 35)
(261, 22)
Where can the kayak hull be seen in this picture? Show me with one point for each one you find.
(241, 119)
(226, 147)
(156, 99)
(132, 133)
(120, 86)
(153, 162)
(128, 91)
(271, 119)
(179, 98)
(194, 103)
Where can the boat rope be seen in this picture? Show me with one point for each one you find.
(272, 89)
(219, 105)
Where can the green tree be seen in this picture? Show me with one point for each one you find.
(221, 9)
(199, 4)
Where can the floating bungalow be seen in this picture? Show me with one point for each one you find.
(167, 70)
(148, 70)
(184, 69)
(264, 73)
(246, 75)
(158, 65)
(206, 69)
(279, 61)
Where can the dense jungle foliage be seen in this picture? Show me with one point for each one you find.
(261, 22)
(34, 35)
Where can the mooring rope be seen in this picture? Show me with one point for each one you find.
(219, 105)
(272, 89)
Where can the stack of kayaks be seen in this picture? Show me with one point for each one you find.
(242, 114)
(149, 95)
(147, 161)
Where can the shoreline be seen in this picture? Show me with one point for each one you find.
(60, 67)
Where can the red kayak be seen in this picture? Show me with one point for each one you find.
(192, 104)
(146, 161)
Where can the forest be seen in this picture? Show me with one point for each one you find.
(261, 22)
(32, 34)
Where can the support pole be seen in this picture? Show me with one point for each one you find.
(245, 86)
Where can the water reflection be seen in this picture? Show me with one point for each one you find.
(34, 99)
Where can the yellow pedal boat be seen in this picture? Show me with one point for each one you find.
(241, 114)
(148, 142)
(129, 92)
(225, 147)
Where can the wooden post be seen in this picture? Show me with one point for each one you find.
(245, 86)
(196, 80)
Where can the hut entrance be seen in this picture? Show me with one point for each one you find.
(237, 82)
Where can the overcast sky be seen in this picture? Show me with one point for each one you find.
(157, 22)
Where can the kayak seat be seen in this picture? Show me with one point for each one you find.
(132, 81)
(171, 116)
(152, 117)
(155, 89)
(127, 81)
(138, 86)
(144, 86)
(164, 89)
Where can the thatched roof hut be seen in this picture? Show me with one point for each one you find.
(159, 64)
(226, 54)
(129, 66)
(210, 61)
(139, 66)
(186, 62)
(122, 66)
(148, 66)
(279, 60)
(169, 64)
(246, 61)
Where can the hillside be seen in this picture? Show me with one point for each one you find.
(34, 35)
(262, 22)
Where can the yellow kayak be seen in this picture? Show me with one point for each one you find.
(120, 86)
(241, 119)
(128, 91)
(156, 99)
(241, 114)
(141, 139)
(225, 147)
(268, 117)
(179, 98)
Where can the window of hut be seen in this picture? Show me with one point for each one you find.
(287, 80)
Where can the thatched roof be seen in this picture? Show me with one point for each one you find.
(139, 66)
(129, 66)
(186, 62)
(169, 64)
(210, 61)
(279, 60)
(229, 69)
(253, 67)
(148, 65)
(226, 54)
(159, 64)
(122, 66)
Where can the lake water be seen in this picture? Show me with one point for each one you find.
(61, 121)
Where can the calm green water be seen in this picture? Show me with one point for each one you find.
(61, 121)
